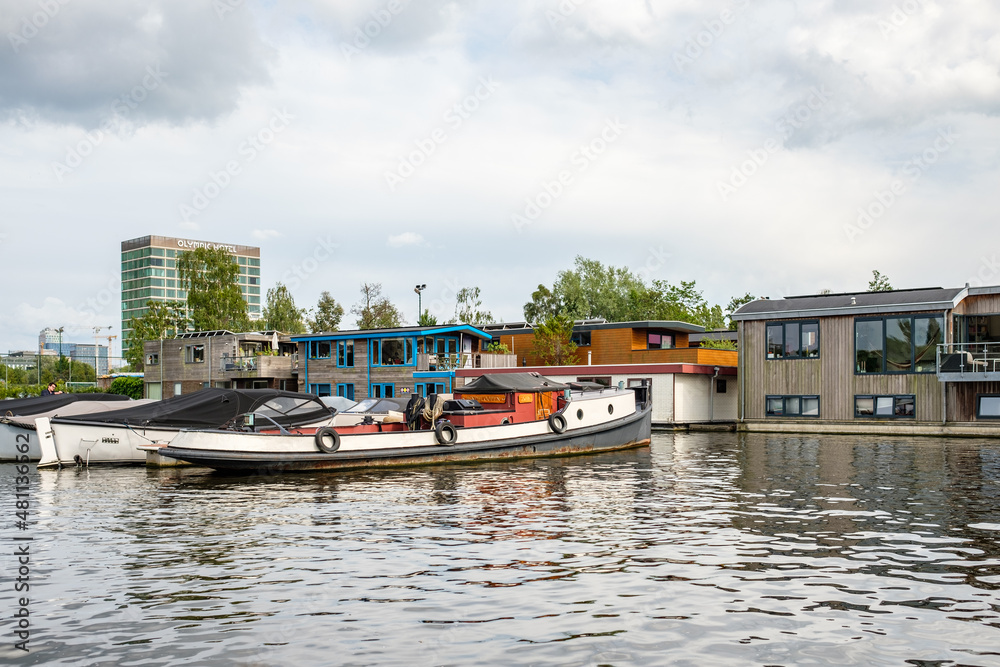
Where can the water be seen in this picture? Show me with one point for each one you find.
(702, 549)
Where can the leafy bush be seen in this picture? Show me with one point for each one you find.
(127, 386)
(720, 344)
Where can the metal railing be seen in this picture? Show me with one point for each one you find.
(976, 359)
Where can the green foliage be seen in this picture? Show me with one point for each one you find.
(281, 313)
(426, 319)
(553, 341)
(467, 308)
(879, 283)
(327, 315)
(163, 319)
(496, 347)
(717, 344)
(127, 386)
(591, 290)
(735, 304)
(210, 277)
(375, 311)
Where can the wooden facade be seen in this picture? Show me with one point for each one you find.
(943, 402)
(219, 359)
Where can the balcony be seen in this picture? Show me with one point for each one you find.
(259, 366)
(968, 362)
(449, 362)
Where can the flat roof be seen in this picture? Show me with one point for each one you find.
(593, 325)
(187, 244)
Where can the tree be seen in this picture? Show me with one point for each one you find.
(281, 313)
(127, 386)
(213, 293)
(327, 315)
(163, 319)
(735, 304)
(467, 305)
(879, 283)
(544, 304)
(375, 311)
(426, 319)
(553, 341)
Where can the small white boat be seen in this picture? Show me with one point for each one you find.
(116, 436)
(508, 415)
(17, 419)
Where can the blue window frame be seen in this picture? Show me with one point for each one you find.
(425, 388)
(345, 353)
(346, 389)
(320, 389)
(382, 390)
(392, 352)
(320, 349)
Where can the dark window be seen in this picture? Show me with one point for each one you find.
(793, 340)
(345, 353)
(885, 407)
(791, 406)
(581, 338)
(320, 349)
(194, 354)
(898, 344)
(392, 351)
(603, 380)
(720, 386)
(320, 389)
(346, 390)
(152, 359)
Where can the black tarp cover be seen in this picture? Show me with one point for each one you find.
(38, 404)
(214, 407)
(503, 383)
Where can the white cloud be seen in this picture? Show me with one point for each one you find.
(405, 239)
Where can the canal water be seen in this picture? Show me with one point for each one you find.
(702, 549)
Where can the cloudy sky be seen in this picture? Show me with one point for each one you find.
(769, 146)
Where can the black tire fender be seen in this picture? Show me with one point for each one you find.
(445, 433)
(322, 435)
(557, 422)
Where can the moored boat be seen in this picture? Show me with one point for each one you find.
(17, 418)
(115, 436)
(509, 415)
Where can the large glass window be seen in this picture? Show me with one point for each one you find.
(885, 407)
(320, 349)
(898, 344)
(659, 341)
(793, 340)
(792, 406)
(194, 354)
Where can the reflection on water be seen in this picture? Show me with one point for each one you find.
(702, 549)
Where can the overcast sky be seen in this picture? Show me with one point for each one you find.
(775, 147)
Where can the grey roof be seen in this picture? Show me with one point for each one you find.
(853, 303)
(593, 325)
(381, 333)
(713, 335)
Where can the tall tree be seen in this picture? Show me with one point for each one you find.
(543, 305)
(213, 293)
(327, 315)
(163, 319)
(375, 311)
(281, 313)
(879, 283)
(554, 341)
(426, 319)
(467, 308)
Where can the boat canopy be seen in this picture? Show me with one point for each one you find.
(504, 383)
(214, 407)
(39, 404)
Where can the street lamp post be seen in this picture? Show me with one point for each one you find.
(418, 289)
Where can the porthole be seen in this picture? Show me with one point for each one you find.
(579, 414)
(611, 409)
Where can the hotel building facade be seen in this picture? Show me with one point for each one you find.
(149, 271)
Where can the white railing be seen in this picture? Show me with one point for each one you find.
(449, 362)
